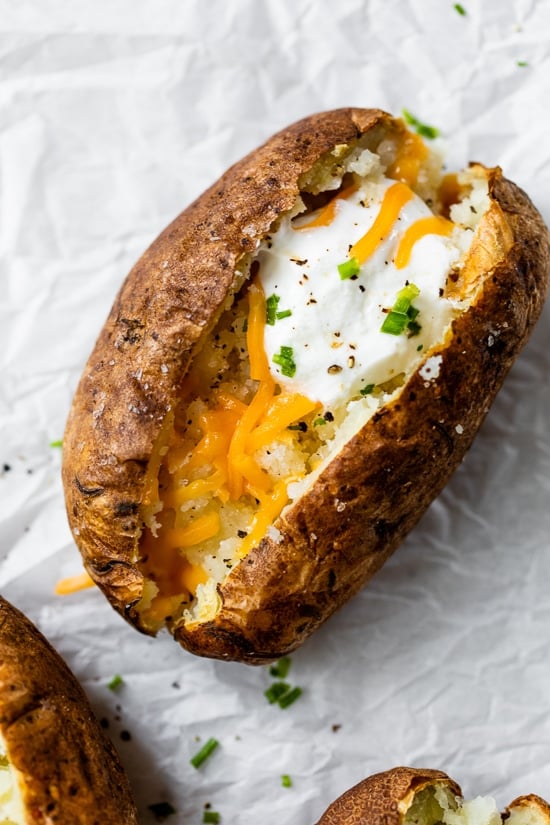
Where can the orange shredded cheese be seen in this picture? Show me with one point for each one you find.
(73, 584)
(432, 225)
(327, 214)
(221, 466)
(393, 201)
(411, 154)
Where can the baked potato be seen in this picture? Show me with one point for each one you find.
(56, 766)
(413, 796)
(289, 376)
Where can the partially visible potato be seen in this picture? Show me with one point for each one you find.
(56, 766)
(416, 796)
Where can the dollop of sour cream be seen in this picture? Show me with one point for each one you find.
(331, 326)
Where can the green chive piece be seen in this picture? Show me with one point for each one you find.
(286, 781)
(394, 323)
(285, 360)
(207, 749)
(402, 315)
(318, 422)
(367, 389)
(275, 691)
(460, 9)
(56, 443)
(245, 325)
(522, 63)
(419, 347)
(420, 128)
(161, 810)
(115, 682)
(284, 313)
(280, 669)
(211, 816)
(271, 309)
(349, 269)
(289, 698)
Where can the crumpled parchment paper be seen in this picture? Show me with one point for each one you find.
(113, 117)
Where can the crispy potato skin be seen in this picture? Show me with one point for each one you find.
(383, 799)
(340, 532)
(70, 771)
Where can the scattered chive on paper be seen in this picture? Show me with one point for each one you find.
(460, 9)
(420, 128)
(280, 669)
(275, 691)
(161, 810)
(211, 816)
(349, 269)
(522, 63)
(207, 749)
(115, 682)
(286, 781)
(58, 443)
(290, 697)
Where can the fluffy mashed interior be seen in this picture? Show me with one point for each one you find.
(11, 805)
(342, 302)
(436, 805)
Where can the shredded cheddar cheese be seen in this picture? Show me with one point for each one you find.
(394, 200)
(433, 225)
(73, 584)
(327, 214)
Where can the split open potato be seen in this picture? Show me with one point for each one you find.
(290, 375)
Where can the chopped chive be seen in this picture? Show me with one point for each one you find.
(286, 781)
(115, 682)
(161, 810)
(318, 422)
(207, 749)
(349, 269)
(420, 128)
(460, 9)
(211, 816)
(367, 389)
(289, 698)
(58, 443)
(394, 323)
(245, 325)
(284, 313)
(281, 668)
(271, 309)
(285, 360)
(419, 347)
(402, 314)
(275, 691)
(522, 63)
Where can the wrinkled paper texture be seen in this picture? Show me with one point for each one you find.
(113, 117)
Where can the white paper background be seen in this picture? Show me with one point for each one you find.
(113, 117)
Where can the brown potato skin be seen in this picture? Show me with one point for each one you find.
(361, 507)
(70, 771)
(383, 798)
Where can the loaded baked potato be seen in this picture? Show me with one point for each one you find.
(56, 766)
(413, 796)
(289, 376)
